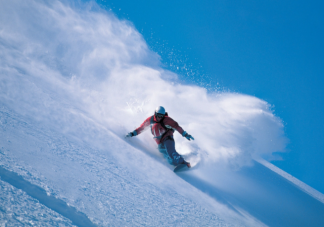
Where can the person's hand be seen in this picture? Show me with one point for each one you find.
(188, 137)
(131, 134)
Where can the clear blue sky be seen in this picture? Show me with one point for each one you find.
(273, 50)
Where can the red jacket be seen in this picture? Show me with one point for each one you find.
(158, 130)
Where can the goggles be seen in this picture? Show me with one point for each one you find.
(159, 115)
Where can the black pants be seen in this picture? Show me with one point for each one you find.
(167, 148)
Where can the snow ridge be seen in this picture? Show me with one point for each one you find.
(51, 202)
(306, 188)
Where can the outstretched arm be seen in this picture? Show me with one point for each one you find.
(140, 129)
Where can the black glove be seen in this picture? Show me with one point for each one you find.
(131, 134)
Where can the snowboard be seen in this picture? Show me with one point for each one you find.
(180, 168)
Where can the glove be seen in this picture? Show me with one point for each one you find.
(188, 137)
(131, 134)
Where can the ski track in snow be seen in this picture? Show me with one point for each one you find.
(59, 206)
(19, 209)
(97, 183)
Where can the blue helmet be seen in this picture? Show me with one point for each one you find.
(160, 110)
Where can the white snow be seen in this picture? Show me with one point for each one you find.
(19, 209)
(118, 185)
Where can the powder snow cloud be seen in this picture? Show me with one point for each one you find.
(63, 62)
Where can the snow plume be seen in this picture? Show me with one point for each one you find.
(76, 67)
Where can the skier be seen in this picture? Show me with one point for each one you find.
(162, 128)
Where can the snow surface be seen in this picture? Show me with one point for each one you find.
(123, 187)
(19, 209)
(75, 79)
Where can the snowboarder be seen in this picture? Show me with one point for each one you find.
(162, 128)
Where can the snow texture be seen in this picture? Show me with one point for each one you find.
(19, 209)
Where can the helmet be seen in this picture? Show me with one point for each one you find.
(160, 110)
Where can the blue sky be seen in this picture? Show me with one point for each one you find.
(269, 49)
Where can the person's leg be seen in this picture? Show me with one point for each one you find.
(163, 150)
(176, 158)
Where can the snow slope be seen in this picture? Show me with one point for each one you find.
(118, 185)
(122, 186)
(73, 80)
(18, 209)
